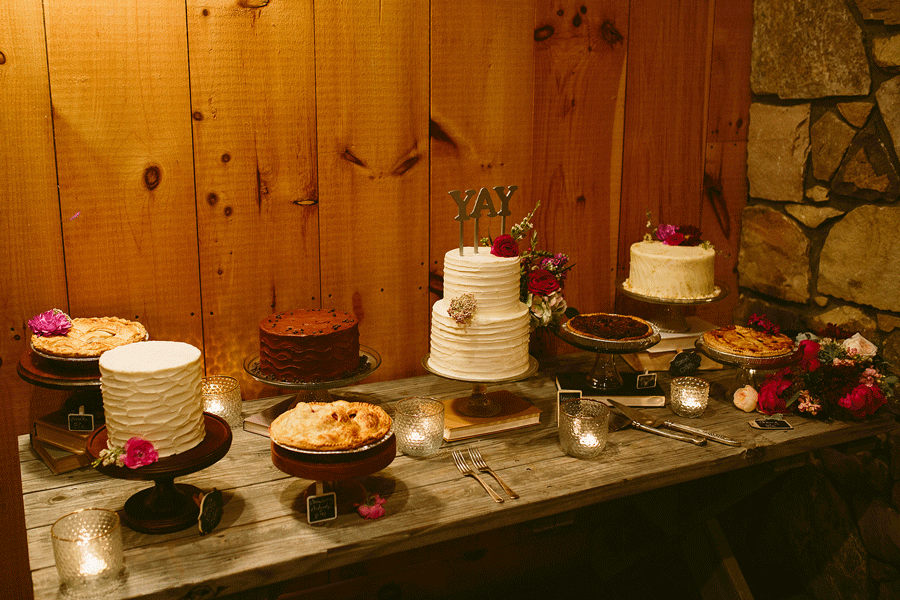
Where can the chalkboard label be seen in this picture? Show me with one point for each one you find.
(321, 508)
(563, 396)
(211, 508)
(81, 422)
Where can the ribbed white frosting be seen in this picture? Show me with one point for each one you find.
(672, 272)
(152, 390)
(493, 344)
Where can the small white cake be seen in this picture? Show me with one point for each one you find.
(152, 390)
(672, 272)
(493, 343)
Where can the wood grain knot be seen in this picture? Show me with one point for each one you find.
(307, 202)
(2, 59)
(576, 21)
(253, 3)
(543, 33)
(610, 33)
(212, 199)
(152, 177)
(228, 210)
(226, 157)
(405, 166)
(350, 157)
(197, 115)
(436, 132)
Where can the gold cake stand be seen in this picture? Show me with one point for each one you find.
(482, 403)
(669, 317)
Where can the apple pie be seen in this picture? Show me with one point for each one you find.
(746, 341)
(90, 337)
(337, 425)
(610, 327)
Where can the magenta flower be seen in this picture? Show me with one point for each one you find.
(664, 232)
(50, 323)
(139, 452)
(770, 400)
(863, 400)
(372, 508)
(810, 359)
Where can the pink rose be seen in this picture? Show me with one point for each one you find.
(372, 508)
(664, 232)
(770, 400)
(859, 346)
(541, 282)
(139, 452)
(863, 400)
(810, 359)
(505, 246)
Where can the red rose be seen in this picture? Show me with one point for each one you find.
(770, 400)
(863, 400)
(541, 282)
(505, 246)
(810, 350)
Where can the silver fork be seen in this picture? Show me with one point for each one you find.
(465, 469)
(475, 455)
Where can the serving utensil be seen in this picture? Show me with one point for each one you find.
(626, 412)
(478, 461)
(465, 469)
(645, 420)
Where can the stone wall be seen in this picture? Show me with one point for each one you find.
(819, 234)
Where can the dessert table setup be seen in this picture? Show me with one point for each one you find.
(264, 539)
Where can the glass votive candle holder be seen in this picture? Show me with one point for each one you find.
(583, 427)
(689, 396)
(419, 425)
(222, 397)
(87, 546)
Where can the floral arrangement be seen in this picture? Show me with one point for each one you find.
(50, 323)
(136, 453)
(837, 377)
(675, 235)
(542, 273)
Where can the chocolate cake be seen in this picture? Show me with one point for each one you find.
(305, 346)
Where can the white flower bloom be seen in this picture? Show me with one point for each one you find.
(746, 398)
(860, 346)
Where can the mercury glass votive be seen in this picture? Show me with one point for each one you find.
(419, 425)
(87, 545)
(222, 397)
(583, 427)
(689, 396)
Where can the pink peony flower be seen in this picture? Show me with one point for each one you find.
(372, 508)
(505, 246)
(139, 452)
(664, 232)
(863, 400)
(770, 400)
(50, 323)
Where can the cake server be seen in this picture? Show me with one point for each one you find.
(639, 416)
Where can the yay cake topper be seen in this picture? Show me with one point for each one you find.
(483, 202)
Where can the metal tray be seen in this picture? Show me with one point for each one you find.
(369, 446)
(594, 344)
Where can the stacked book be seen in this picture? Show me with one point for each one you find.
(60, 440)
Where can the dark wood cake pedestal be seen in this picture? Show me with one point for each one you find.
(336, 470)
(167, 506)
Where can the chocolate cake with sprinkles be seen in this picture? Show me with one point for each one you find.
(308, 345)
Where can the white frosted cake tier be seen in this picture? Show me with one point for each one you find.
(494, 280)
(152, 390)
(672, 272)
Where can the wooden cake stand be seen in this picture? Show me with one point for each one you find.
(167, 506)
(337, 469)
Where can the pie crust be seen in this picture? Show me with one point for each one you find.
(90, 337)
(337, 425)
(745, 341)
(605, 326)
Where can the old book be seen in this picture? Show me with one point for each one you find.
(514, 414)
(59, 460)
(259, 423)
(54, 429)
(629, 394)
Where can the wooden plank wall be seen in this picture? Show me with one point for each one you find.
(200, 165)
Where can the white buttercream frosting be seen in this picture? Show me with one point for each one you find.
(493, 344)
(152, 390)
(673, 272)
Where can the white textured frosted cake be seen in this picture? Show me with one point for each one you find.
(674, 272)
(491, 344)
(152, 390)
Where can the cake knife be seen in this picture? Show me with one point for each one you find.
(639, 416)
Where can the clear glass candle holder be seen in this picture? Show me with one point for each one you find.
(689, 396)
(222, 397)
(87, 546)
(583, 427)
(419, 426)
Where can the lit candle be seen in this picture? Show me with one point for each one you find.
(689, 396)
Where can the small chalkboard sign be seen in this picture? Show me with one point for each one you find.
(563, 396)
(211, 508)
(321, 508)
(82, 421)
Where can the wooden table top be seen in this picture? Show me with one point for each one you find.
(263, 538)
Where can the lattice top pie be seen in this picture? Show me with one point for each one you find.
(337, 425)
(90, 337)
(745, 341)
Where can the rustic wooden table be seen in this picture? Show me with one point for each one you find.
(263, 538)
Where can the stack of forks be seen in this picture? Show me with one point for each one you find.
(481, 466)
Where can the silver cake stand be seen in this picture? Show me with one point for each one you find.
(670, 311)
(316, 391)
(483, 403)
(747, 365)
(605, 376)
